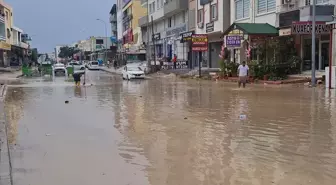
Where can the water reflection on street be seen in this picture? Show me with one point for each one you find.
(170, 131)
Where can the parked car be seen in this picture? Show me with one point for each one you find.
(77, 65)
(59, 68)
(93, 65)
(132, 72)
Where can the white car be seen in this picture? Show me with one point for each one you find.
(93, 65)
(132, 72)
(59, 68)
(77, 65)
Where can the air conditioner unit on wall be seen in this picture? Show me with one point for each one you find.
(200, 25)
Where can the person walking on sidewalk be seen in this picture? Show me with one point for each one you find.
(243, 73)
(175, 60)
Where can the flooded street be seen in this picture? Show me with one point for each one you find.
(170, 132)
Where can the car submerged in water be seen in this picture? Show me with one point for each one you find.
(59, 69)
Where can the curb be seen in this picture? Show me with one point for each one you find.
(6, 177)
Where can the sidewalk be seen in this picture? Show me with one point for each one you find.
(7, 77)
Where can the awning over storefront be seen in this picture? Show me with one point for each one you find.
(254, 29)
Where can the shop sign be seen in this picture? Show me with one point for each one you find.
(300, 28)
(210, 27)
(233, 41)
(5, 46)
(285, 31)
(157, 36)
(176, 31)
(199, 42)
(186, 37)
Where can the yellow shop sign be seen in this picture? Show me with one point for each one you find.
(5, 46)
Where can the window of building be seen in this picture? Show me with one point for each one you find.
(213, 12)
(162, 3)
(158, 4)
(265, 6)
(154, 6)
(183, 17)
(150, 8)
(200, 16)
(242, 9)
(169, 22)
(322, 1)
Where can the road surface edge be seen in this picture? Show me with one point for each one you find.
(6, 177)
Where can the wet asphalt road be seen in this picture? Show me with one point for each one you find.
(169, 132)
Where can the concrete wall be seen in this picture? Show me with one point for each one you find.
(137, 12)
(223, 21)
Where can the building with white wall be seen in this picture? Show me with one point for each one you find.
(163, 26)
(213, 18)
(293, 19)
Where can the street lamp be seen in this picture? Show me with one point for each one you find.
(105, 37)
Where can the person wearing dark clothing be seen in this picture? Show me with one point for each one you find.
(77, 78)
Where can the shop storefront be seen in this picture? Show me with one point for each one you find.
(302, 31)
(249, 42)
(4, 50)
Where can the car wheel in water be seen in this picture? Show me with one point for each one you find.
(128, 77)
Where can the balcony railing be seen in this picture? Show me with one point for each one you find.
(143, 21)
(2, 18)
(143, 2)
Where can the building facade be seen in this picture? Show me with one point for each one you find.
(6, 23)
(114, 30)
(293, 19)
(163, 27)
(213, 18)
(131, 32)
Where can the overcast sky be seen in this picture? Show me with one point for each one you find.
(57, 22)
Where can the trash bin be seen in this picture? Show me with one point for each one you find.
(70, 70)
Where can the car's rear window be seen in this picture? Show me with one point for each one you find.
(94, 63)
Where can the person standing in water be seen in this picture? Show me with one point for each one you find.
(243, 73)
(77, 78)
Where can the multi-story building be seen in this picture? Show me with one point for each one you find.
(113, 21)
(293, 19)
(6, 23)
(114, 30)
(213, 18)
(163, 27)
(132, 40)
(120, 5)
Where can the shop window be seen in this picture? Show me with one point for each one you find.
(242, 9)
(265, 6)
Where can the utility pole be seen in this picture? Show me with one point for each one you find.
(147, 46)
(313, 80)
(153, 40)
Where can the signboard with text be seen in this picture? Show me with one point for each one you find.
(305, 27)
(233, 41)
(199, 42)
(186, 37)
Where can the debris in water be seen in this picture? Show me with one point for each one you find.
(66, 101)
(185, 118)
(15, 91)
(242, 117)
(48, 134)
(140, 96)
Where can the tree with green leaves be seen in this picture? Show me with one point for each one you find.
(67, 52)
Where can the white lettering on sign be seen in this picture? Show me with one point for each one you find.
(306, 28)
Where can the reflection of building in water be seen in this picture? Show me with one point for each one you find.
(14, 111)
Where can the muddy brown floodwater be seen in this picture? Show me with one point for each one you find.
(170, 132)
